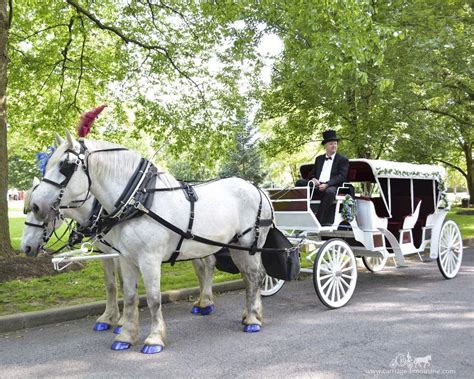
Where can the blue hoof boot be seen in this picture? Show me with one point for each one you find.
(101, 326)
(152, 349)
(207, 310)
(118, 345)
(196, 310)
(252, 328)
(117, 329)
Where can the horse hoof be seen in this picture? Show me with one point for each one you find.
(118, 345)
(196, 310)
(152, 349)
(117, 330)
(101, 326)
(207, 310)
(252, 328)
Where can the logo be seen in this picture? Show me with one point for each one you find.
(405, 364)
(402, 360)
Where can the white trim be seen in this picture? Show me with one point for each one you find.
(390, 169)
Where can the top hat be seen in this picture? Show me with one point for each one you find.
(329, 135)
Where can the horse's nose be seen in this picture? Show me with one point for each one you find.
(27, 250)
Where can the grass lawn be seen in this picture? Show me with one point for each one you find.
(69, 288)
(465, 222)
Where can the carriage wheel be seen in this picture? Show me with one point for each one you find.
(270, 286)
(374, 264)
(450, 249)
(335, 273)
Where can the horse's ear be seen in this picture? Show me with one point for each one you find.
(59, 139)
(36, 181)
(70, 139)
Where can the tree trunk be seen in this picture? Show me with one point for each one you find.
(470, 171)
(5, 243)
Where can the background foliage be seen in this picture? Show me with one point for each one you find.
(394, 78)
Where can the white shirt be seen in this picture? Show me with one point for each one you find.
(326, 171)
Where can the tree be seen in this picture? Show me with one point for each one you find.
(5, 18)
(386, 74)
(148, 60)
(21, 173)
(332, 73)
(442, 90)
(244, 160)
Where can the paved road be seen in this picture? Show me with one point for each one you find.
(398, 311)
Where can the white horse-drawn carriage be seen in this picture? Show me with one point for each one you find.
(386, 210)
(395, 210)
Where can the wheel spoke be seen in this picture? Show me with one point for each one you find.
(329, 281)
(344, 259)
(266, 283)
(338, 291)
(324, 277)
(347, 276)
(450, 263)
(333, 291)
(347, 269)
(343, 281)
(442, 253)
(325, 270)
(444, 257)
(331, 285)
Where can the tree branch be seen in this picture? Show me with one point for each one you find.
(10, 13)
(444, 113)
(65, 58)
(43, 30)
(453, 166)
(81, 67)
(129, 39)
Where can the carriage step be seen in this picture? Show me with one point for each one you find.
(344, 227)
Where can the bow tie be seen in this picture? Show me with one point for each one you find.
(328, 158)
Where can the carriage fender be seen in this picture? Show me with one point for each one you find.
(435, 234)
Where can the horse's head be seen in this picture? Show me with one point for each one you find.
(64, 181)
(36, 233)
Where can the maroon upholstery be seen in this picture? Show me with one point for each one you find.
(401, 208)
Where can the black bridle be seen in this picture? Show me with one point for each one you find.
(67, 169)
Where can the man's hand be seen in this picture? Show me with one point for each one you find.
(323, 187)
(315, 182)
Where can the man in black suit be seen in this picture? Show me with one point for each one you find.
(328, 173)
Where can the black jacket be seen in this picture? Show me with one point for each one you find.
(339, 169)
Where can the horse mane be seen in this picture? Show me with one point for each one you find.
(121, 163)
(27, 199)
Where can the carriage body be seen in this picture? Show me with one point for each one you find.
(400, 210)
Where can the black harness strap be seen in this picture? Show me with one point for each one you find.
(196, 238)
(192, 198)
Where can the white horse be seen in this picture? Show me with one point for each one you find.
(36, 232)
(34, 237)
(225, 209)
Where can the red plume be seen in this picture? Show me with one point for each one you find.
(87, 119)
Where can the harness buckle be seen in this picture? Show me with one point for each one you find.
(140, 207)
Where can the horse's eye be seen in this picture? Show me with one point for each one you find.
(35, 208)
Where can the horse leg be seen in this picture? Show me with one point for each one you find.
(129, 333)
(151, 272)
(204, 268)
(118, 271)
(111, 313)
(252, 273)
